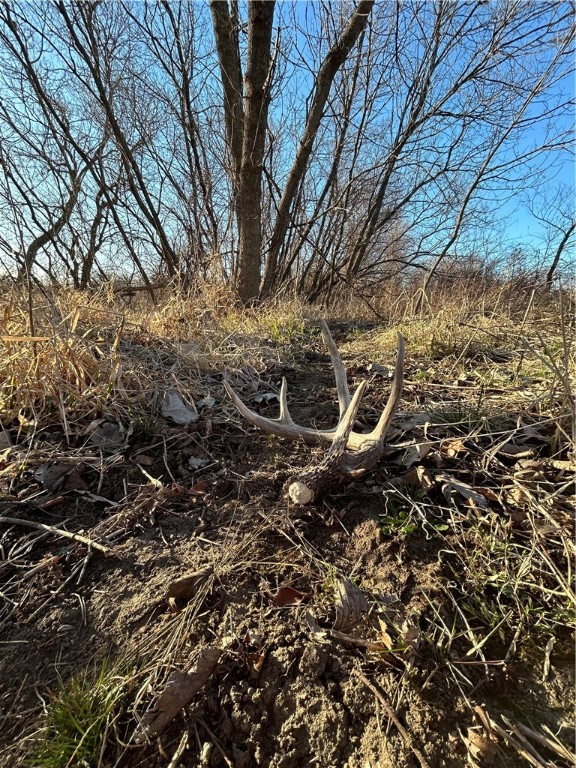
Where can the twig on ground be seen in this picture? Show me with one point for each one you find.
(57, 531)
(520, 744)
(408, 740)
(180, 749)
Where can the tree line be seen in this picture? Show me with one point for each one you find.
(305, 147)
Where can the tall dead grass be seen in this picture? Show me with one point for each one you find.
(76, 353)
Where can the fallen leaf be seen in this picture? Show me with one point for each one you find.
(108, 436)
(411, 634)
(144, 459)
(530, 432)
(350, 604)
(452, 488)
(480, 746)
(384, 635)
(287, 596)
(24, 421)
(265, 397)
(453, 447)
(176, 408)
(200, 488)
(92, 426)
(256, 660)
(3, 456)
(415, 453)
(489, 493)
(195, 462)
(379, 370)
(180, 689)
(60, 477)
(319, 634)
(188, 586)
(421, 477)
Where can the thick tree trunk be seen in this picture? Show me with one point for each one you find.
(246, 127)
(256, 93)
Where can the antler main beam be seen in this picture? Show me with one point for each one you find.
(351, 454)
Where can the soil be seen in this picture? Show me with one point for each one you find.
(287, 692)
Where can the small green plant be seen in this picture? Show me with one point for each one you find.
(81, 719)
(399, 510)
(146, 427)
(283, 332)
(458, 414)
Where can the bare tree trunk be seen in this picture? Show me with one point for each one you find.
(336, 56)
(249, 202)
(246, 128)
(225, 22)
(52, 232)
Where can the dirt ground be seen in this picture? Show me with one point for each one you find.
(408, 682)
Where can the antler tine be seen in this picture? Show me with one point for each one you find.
(364, 448)
(346, 423)
(379, 432)
(283, 426)
(339, 370)
(284, 412)
(351, 453)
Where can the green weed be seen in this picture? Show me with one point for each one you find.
(82, 718)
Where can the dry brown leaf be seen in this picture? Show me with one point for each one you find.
(188, 586)
(411, 634)
(60, 477)
(489, 493)
(144, 459)
(421, 477)
(350, 604)
(480, 746)
(256, 661)
(384, 635)
(453, 447)
(517, 496)
(287, 596)
(180, 689)
(452, 488)
(200, 488)
(415, 453)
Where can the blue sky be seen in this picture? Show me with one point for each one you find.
(509, 219)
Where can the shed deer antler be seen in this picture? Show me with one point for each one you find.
(351, 454)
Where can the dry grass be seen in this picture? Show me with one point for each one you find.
(484, 463)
